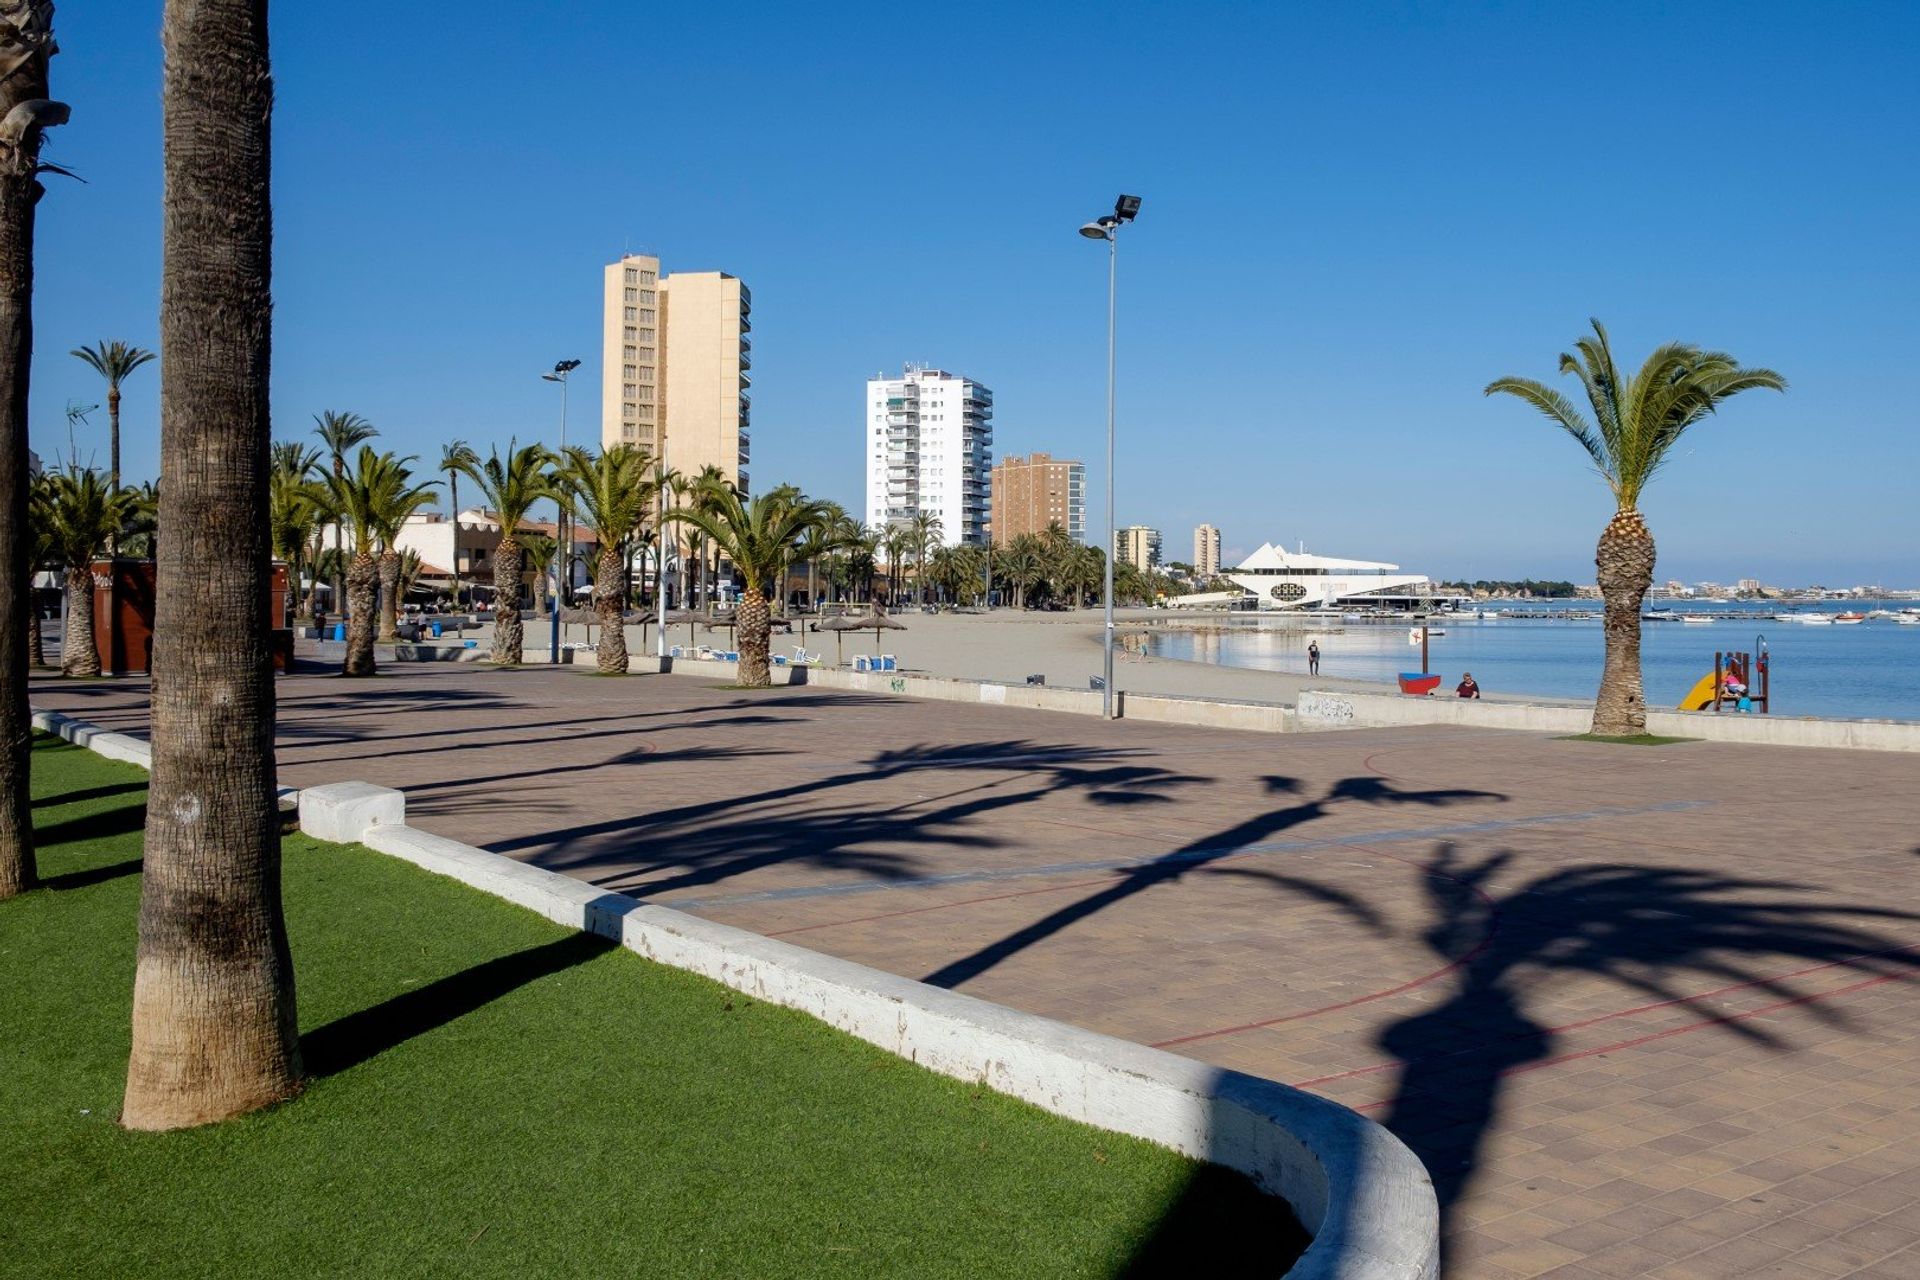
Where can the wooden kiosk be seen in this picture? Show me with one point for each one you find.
(123, 594)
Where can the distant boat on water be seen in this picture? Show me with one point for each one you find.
(1848, 619)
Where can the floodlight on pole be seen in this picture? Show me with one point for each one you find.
(562, 558)
(1107, 227)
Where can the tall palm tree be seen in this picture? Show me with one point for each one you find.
(300, 506)
(40, 553)
(927, 529)
(373, 499)
(611, 494)
(294, 506)
(1637, 420)
(26, 111)
(395, 502)
(759, 537)
(454, 458)
(215, 1031)
(897, 542)
(339, 432)
(115, 361)
(509, 487)
(84, 515)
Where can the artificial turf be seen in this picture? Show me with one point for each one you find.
(494, 1095)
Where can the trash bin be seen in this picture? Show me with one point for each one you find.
(339, 631)
(434, 628)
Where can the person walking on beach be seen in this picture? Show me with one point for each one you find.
(1313, 657)
(1467, 688)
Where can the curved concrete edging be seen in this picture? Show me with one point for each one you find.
(1365, 1198)
(120, 746)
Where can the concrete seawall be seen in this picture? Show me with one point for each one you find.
(1330, 709)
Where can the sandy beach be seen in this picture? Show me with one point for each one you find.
(1009, 645)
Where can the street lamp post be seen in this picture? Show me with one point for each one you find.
(562, 552)
(660, 556)
(1107, 227)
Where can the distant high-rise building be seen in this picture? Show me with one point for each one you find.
(676, 359)
(929, 447)
(1206, 551)
(1030, 493)
(1138, 546)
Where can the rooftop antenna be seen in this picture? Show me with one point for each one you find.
(76, 413)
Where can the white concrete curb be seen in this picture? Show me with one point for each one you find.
(1365, 1198)
(119, 746)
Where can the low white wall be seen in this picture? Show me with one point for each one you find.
(1329, 709)
(1366, 1199)
(119, 746)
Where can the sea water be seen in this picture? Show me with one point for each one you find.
(1868, 670)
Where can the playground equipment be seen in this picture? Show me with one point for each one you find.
(1739, 679)
(1419, 684)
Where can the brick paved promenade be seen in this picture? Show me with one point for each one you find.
(1646, 1012)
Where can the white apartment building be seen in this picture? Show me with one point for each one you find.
(929, 437)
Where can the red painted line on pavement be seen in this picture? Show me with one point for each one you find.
(1718, 1020)
(1637, 1041)
(1493, 927)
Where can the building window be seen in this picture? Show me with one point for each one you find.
(631, 334)
(632, 275)
(647, 317)
(646, 335)
(631, 353)
(646, 277)
(631, 315)
(633, 295)
(632, 371)
(630, 391)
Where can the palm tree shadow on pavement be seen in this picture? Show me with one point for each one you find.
(358, 1037)
(1649, 929)
(1200, 854)
(825, 821)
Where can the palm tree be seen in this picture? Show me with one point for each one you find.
(510, 486)
(396, 501)
(454, 458)
(1636, 422)
(40, 553)
(215, 1031)
(26, 111)
(760, 538)
(294, 507)
(373, 499)
(611, 494)
(339, 432)
(84, 514)
(897, 542)
(299, 508)
(115, 361)
(926, 529)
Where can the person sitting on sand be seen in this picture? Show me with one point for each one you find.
(1467, 688)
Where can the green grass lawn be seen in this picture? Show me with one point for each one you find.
(495, 1095)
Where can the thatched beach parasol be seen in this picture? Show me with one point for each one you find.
(873, 620)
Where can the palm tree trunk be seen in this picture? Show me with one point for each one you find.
(755, 635)
(361, 573)
(607, 603)
(113, 436)
(29, 44)
(215, 1032)
(507, 630)
(36, 645)
(389, 596)
(1624, 566)
(313, 576)
(78, 654)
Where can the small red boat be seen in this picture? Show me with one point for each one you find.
(1418, 683)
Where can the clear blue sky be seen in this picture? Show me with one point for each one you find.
(1356, 216)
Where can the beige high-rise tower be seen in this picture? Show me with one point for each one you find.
(1206, 551)
(677, 360)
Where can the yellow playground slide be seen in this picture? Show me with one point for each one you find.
(1700, 697)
